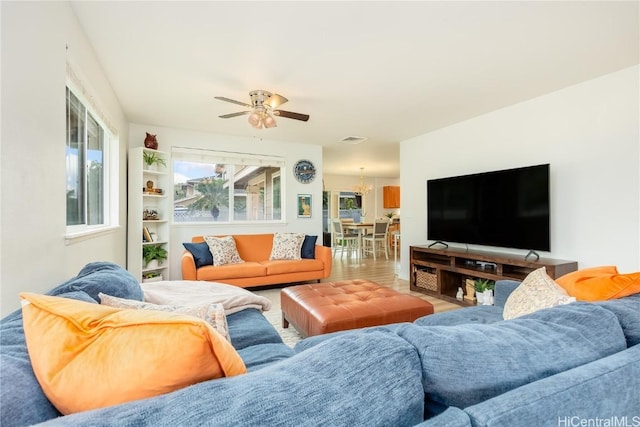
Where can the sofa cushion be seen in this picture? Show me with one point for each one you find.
(585, 273)
(211, 313)
(536, 292)
(475, 315)
(628, 312)
(286, 246)
(602, 286)
(254, 247)
(223, 250)
(308, 250)
(250, 328)
(605, 390)
(17, 379)
(201, 253)
(105, 277)
(231, 271)
(467, 364)
(127, 354)
(262, 355)
(363, 379)
(290, 266)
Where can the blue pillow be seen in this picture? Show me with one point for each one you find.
(201, 253)
(309, 247)
(105, 277)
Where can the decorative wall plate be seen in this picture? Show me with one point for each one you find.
(304, 171)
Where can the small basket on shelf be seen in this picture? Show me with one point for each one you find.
(426, 279)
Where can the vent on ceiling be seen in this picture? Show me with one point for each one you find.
(353, 139)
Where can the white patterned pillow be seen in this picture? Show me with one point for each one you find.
(537, 291)
(212, 313)
(286, 246)
(223, 249)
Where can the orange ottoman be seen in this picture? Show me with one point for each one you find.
(336, 306)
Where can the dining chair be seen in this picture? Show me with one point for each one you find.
(378, 240)
(343, 240)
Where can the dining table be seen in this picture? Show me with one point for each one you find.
(361, 229)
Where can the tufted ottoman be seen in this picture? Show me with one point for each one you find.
(335, 306)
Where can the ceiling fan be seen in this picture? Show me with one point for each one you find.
(263, 108)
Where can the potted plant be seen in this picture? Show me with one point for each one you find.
(150, 159)
(153, 252)
(484, 291)
(151, 276)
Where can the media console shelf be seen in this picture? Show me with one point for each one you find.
(440, 272)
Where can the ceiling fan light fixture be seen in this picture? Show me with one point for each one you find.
(255, 120)
(269, 121)
(262, 110)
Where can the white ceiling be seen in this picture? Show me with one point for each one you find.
(383, 70)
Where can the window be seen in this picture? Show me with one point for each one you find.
(88, 164)
(226, 187)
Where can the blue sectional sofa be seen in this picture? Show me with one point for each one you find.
(565, 365)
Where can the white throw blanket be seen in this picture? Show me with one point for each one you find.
(191, 293)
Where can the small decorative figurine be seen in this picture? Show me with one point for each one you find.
(150, 141)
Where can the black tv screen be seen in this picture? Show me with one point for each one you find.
(506, 208)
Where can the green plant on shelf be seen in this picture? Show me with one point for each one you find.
(151, 275)
(484, 285)
(151, 159)
(151, 252)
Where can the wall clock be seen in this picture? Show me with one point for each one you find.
(304, 171)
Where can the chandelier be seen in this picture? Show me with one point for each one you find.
(362, 189)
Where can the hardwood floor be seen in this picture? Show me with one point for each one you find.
(381, 271)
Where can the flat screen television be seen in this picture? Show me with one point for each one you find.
(506, 208)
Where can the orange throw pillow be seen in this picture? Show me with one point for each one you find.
(600, 283)
(126, 354)
(586, 273)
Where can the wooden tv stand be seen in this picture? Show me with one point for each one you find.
(448, 269)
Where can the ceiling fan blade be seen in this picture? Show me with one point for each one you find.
(275, 101)
(233, 101)
(291, 115)
(228, 116)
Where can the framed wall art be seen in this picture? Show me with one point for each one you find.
(304, 205)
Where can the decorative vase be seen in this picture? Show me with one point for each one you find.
(487, 297)
(480, 297)
(152, 264)
(150, 141)
(471, 290)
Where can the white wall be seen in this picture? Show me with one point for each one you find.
(170, 137)
(33, 209)
(589, 133)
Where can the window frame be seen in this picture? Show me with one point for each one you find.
(213, 157)
(110, 190)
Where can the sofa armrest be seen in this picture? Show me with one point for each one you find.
(502, 291)
(324, 254)
(188, 266)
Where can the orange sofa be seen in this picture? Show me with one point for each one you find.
(258, 270)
